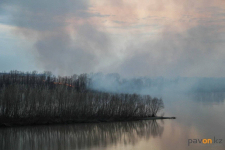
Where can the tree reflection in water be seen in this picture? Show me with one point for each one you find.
(78, 136)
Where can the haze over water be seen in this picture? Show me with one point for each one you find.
(175, 38)
(199, 116)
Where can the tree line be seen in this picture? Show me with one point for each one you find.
(31, 98)
(45, 79)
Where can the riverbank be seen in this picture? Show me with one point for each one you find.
(33, 122)
(34, 105)
(34, 99)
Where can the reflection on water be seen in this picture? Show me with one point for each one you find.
(78, 136)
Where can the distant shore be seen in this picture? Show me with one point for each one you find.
(13, 123)
(154, 118)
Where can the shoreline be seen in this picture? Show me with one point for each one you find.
(57, 122)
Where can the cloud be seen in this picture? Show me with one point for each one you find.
(44, 15)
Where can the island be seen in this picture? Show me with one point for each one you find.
(37, 99)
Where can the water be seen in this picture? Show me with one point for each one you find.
(199, 116)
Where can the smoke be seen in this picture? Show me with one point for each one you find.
(70, 38)
(63, 45)
(195, 52)
(60, 52)
(156, 86)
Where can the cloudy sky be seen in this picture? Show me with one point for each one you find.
(129, 37)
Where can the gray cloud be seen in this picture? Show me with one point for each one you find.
(43, 15)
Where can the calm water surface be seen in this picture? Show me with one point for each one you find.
(199, 116)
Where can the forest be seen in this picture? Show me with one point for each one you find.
(41, 98)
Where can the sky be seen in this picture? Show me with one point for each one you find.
(152, 38)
